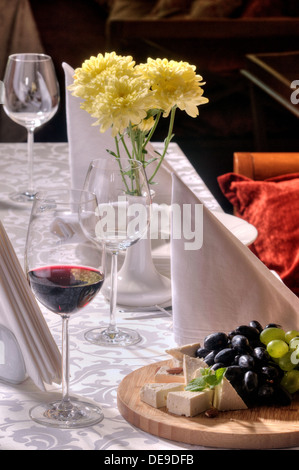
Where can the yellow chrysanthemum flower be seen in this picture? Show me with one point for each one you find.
(146, 124)
(175, 84)
(130, 98)
(125, 102)
(90, 79)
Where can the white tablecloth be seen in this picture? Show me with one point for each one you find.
(95, 371)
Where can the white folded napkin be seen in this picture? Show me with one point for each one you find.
(86, 142)
(223, 284)
(20, 314)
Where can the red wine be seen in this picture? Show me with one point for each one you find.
(65, 289)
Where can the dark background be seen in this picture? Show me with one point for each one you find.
(72, 31)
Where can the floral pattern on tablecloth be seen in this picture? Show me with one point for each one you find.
(96, 371)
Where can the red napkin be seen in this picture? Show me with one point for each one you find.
(272, 206)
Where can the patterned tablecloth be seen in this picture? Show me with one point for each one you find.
(95, 371)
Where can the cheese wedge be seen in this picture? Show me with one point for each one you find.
(163, 376)
(155, 394)
(227, 398)
(189, 404)
(176, 362)
(191, 367)
(188, 349)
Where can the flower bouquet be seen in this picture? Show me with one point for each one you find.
(131, 98)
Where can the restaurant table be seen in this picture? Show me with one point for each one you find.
(95, 371)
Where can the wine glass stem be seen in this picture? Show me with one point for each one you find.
(112, 326)
(65, 361)
(30, 138)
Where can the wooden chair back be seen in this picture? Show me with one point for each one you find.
(263, 165)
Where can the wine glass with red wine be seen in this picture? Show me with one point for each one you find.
(65, 269)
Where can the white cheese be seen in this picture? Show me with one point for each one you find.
(192, 366)
(188, 349)
(227, 398)
(176, 362)
(189, 404)
(155, 394)
(163, 376)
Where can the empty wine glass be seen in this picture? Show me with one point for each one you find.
(65, 269)
(31, 99)
(123, 196)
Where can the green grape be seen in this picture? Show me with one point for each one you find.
(294, 357)
(294, 343)
(290, 335)
(269, 334)
(277, 348)
(290, 381)
(285, 362)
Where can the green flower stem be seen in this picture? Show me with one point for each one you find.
(167, 142)
(133, 175)
(138, 189)
(152, 131)
(140, 155)
(139, 143)
(119, 163)
(125, 146)
(117, 147)
(132, 135)
(122, 175)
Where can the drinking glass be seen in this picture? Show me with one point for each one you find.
(124, 200)
(31, 99)
(65, 269)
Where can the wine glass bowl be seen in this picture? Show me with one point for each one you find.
(31, 99)
(123, 212)
(65, 270)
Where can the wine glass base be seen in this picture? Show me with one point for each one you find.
(22, 196)
(79, 415)
(104, 337)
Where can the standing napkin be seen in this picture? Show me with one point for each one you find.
(20, 314)
(86, 142)
(223, 284)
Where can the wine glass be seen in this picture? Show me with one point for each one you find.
(31, 99)
(65, 269)
(123, 195)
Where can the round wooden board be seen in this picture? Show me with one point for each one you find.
(258, 428)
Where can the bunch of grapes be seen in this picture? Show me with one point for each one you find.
(261, 363)
(283, 348)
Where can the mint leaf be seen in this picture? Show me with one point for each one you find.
(220, 373)
(208, 379)
(196, 385)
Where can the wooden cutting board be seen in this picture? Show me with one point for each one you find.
(256, 428)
